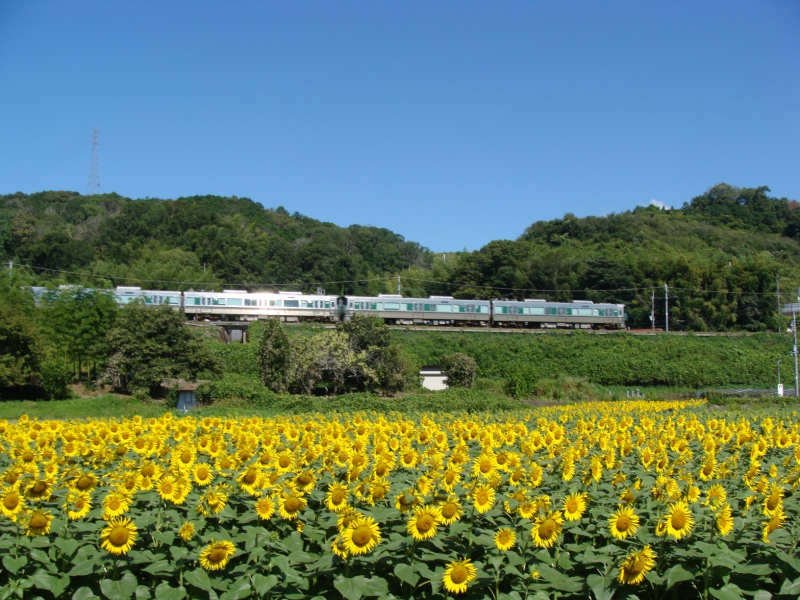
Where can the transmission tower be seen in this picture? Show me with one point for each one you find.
(93, 186)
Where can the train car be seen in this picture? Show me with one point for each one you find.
(583, 314)
(127, 294)
(434, 310)
(242, 305)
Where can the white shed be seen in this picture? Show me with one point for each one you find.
(433, 378)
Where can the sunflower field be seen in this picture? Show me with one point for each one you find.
(629, 499)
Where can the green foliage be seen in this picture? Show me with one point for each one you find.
(274, 356)
(151, 344)
(21, 350)
(460, 369)
(232, 387)
(198, 241)
(371, 336)
(689, 361)
(75, 321)
(566, 389)
(56, 375)
(327, 364)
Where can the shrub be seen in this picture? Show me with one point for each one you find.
(460, 369)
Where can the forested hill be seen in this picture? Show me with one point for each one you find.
(723, 255)
(194, 242)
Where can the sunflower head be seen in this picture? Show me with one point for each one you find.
(118, 536)
(458, 575)
(215, 556)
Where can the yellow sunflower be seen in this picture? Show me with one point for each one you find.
(290, 504)
(483, 498)
(187, 531)
(39, 490)
(715, 495)
(505, 538)
(337, 497)
(679, 520)
(546, 529)
(202, 473)
(265, 508)
(724, 519)
(636, 565)
(776, 521)
(338, 547)
(361, 535)
(574, 506)
(623, 523)
(215, 556)
(424, 521)
(77, 505)
(450, 510)
(118, 536)
(212, 502)
(38, 523)
(115, 504)
(11, 502)
(458, 575)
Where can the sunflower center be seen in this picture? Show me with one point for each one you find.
(678, 520)
(292, 504)
(38, 521)
(249, 478)
(11, 501)
(362, 535)
(216, 555)
(38, 488)
(119, 536)
(547, 528)
(83, 482)
(459, 574)
(623, 523)
(337, 495)
(449, 510)
(424, 523)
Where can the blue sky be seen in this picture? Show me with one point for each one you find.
(451, 123)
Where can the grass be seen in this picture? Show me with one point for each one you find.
(104, 406)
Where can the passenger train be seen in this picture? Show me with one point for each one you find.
(392, 308)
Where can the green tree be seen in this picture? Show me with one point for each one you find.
(21, 351)
(460, 369)
(274, 356)
(372, 337)
(76, 322)
(150, 345)
(327, 364)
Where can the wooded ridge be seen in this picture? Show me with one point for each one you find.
(729, 257)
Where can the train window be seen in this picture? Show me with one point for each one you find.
(234, 301)
(291, 303)
(391, 306)
(427, 307)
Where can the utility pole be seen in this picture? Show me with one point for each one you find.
(93, 186)
(398, 285)
(666, 307)
(652, 308)
(794, 348)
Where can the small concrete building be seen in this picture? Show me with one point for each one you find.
(433, 378)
